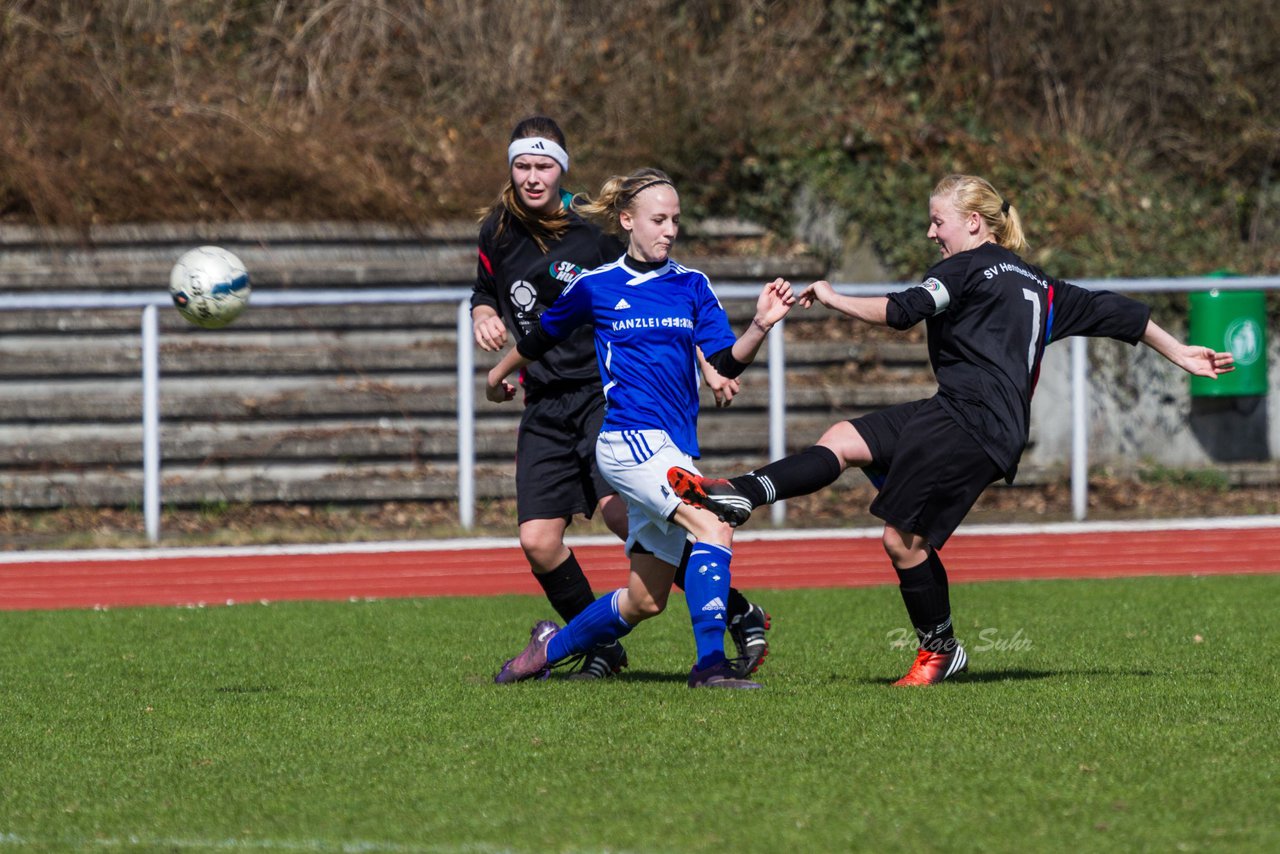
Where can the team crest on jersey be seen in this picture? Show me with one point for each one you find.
(523, 295)
(565, 271)
(937, 290)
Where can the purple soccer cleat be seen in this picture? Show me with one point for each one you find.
(719, 675)
(531, 663)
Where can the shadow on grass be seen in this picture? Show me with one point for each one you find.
(1020, 675)
(630, 675)
(981, 677)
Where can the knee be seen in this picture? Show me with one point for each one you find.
(706, 528)
(544, 550)
(903, 551)
(636, 609)
(844, 440)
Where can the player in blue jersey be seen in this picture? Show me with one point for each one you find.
(532, 245)
(989, 315)
(650, 315)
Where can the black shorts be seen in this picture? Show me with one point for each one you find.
(929, 471)
(556, 474)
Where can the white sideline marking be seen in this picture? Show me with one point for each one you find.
(471, 543)
(359, 846)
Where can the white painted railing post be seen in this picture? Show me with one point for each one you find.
(778, 409)
(466, 419)
(1079, 427)
(151, 423)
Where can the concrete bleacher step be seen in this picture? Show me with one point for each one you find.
(319, 255)
(338, 403)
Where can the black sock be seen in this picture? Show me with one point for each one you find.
(679, 576)
(799, 474)
(939, 575)
(567, 588)
(928, 604)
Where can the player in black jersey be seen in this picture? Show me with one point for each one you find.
(532, 245)
(989, 315)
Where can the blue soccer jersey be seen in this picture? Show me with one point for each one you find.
(646, 327)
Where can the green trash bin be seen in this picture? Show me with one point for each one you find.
(1234, 321)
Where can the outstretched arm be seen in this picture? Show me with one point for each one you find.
(773, 304)
(1200, 361)
(868, 309)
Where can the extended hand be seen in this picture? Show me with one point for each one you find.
(1203, 361)
(775, 301)
(820, 292)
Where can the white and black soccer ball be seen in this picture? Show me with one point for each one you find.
(209, 286)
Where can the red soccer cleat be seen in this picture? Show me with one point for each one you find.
(930, 668)
(714, 494)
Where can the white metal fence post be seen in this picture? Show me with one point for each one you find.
(778, 409)
(151, 423)
(466, 419)
(1079, 428)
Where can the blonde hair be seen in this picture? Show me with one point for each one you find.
(617, 195)
(972, 194)
(543, 228)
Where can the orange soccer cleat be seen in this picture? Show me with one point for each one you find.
(930, 668)
(717, 495)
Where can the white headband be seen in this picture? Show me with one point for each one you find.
(538, 145)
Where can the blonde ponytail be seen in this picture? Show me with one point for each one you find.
(973, 194)
(617, 195)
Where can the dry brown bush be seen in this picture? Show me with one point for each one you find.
(1194, 81)
(137, 110)
(223, 109)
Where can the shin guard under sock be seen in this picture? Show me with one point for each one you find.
(738, 604)
(799, 474)
(928, 605)
(567, 588)
(599, 623)
(706, 589)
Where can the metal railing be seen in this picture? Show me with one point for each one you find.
(149, 301)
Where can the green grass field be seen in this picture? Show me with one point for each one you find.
(1099, 715)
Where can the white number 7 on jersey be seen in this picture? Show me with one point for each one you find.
(1034, 299)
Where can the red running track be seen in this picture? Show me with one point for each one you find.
(826, 559)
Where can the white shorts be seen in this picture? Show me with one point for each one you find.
(635, 463)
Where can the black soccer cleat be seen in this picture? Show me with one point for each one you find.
(719, 496)
(602, 662)
(747, 631)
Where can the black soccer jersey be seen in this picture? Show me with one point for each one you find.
(989, 316)
(516, 279)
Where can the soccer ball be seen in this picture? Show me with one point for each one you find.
(209, 286)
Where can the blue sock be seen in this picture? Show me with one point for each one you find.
(706, 589)
(598, 623)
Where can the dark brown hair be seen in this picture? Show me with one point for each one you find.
(544, 228)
